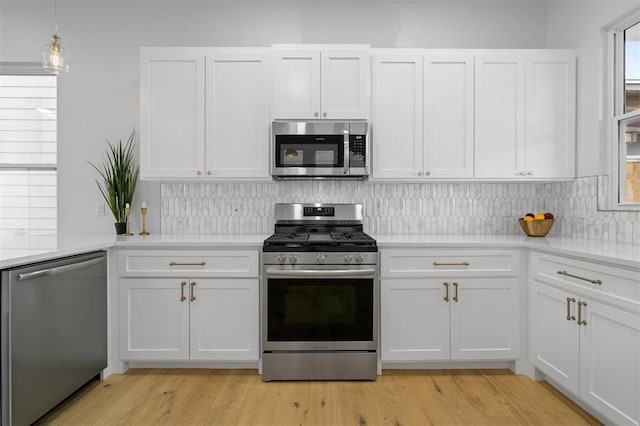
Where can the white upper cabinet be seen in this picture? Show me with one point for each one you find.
(448, 116)
(321, 83)
(396, 127)
(499, 115)
(525, 115)
(238, 121)
(172, 113)
(204, 113)
(422, 119)
(550, 115)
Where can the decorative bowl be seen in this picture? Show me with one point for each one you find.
(536, 228)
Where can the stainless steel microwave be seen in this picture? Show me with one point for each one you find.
(319, 149)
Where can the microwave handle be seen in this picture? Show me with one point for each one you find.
(346, 152)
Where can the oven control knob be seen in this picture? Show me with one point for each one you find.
(359, 258)
(281, 258)
(321, 258)
(348, 258)
(293, 259)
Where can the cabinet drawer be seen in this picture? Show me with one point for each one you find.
(448, 263)
(607, 283)
(185, 263)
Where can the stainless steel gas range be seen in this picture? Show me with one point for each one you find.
(319, 295)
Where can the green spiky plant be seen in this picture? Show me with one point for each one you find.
(119, 174)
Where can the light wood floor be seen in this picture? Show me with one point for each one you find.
(239, 397)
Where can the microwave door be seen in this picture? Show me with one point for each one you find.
(314, 155)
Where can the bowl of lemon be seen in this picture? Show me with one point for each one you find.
(536, 225)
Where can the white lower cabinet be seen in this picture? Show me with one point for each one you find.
(164, 317)
(462, 311)
(205, 319)
(466, 319)
(580, 341)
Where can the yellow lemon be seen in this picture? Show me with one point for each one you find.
(527, 219)
(539, 216)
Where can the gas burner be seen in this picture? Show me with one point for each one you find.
(319, 228)
(292, 238)
(352, 238)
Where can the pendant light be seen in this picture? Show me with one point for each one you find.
(55, 58)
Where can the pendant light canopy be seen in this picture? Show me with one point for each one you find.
(55, 58)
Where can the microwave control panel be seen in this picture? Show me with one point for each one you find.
(357, 150)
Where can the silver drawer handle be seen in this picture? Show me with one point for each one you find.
(451, 264)
(597, 282)
(187, 264)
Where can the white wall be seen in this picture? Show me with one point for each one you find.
(577, 25)
(99, 98)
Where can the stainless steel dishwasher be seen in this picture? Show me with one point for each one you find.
(54, 333)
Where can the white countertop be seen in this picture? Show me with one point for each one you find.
(21, 250)
(16, 251)
(603, 251)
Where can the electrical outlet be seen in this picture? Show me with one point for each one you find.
(99, 208)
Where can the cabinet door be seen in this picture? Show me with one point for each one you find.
(296, 84)
(550, 115)
(397, 116)
(171, 114)
(499, 115)
(484, 319)
(414, 320)
(554, 344)
(344, 84)
(224, 319)
(610, 362)
(238, 97)
(448, 116)
(154, 320)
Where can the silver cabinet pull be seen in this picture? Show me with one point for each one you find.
(451, 263)
(182, 298)
(580, 320)
(187, 264)
(569, 316)
(446, 292)
(455, 292)
(596, 282)
(193, 297)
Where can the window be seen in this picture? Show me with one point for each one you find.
(28, 141)
(624, 110)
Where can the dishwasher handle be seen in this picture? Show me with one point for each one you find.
(59, 269)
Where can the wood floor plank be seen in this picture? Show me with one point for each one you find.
(239, 397)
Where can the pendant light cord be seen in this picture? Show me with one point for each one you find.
(55, 15)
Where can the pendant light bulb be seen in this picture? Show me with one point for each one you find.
(55, 58)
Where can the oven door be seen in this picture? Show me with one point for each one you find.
(319, 308)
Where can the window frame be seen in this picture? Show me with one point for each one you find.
(614, 115)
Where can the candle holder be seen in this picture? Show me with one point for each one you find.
(144, 221)
(127, 212)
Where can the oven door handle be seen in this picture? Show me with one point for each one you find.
(319, 273)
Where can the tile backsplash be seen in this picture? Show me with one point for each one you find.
(401, 208)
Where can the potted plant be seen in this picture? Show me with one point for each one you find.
(119, 174)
